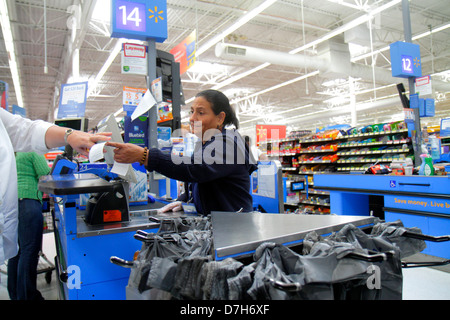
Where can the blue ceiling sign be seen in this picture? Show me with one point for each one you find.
(139, 19)
(405, 60)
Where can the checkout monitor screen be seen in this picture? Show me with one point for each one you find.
(73, 123)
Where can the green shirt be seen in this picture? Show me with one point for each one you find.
(30, 166)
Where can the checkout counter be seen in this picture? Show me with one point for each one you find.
(418, 201)
(87, 239)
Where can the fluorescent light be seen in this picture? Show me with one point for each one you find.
(207, 68)
(102, 11)
(354, 23)
(353, 6)
(243, 20)
(327, 36)
(427, 33)
(417, 37)
(9, 44)
(277, 113)
(112, 56)
(276, 87)
(240, 76)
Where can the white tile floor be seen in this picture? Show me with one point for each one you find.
(418, 283)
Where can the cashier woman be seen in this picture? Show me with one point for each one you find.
(24, 135)
(218, 172)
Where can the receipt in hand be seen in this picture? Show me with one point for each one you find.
(96, 153)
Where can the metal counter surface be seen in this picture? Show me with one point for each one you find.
(239, 234)
(72, 184)
(139, 220)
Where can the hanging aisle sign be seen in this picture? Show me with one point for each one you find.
(139, 19)
(72, 101)
(405, 60)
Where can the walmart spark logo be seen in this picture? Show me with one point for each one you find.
(416, 62)
(156, 14)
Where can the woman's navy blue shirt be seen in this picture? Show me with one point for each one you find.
(218, 172)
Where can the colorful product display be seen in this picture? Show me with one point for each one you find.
(367, 149)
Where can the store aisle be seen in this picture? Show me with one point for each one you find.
(418, 283)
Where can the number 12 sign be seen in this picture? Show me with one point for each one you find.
(405, 60)
(139, 19)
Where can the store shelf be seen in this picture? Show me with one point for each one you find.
(338, 151)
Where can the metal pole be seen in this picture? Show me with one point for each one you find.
(153, 112)
(408, 38)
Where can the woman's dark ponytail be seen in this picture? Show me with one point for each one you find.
(219, 102)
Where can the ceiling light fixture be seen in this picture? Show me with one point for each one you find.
(311, 74)
(350, 25)
(112, 56)
(9, 44)
(277, 113)
(417, 37)
(327, 36)
(241, 21)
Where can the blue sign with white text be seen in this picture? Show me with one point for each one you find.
(139, 19)
(72, 100)
(405, 60)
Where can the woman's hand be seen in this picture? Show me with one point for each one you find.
(173, 206)
(127, 152)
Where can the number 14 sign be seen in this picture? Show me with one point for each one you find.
(139, 19)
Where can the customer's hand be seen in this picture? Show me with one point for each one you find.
(126, 152)
(173, 207)
(82, 141)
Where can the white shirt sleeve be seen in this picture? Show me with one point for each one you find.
(25, 134)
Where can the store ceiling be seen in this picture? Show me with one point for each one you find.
(300, 95)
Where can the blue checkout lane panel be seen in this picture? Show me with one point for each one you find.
(431, 215)
(385, 183)
(429, 225)
(92, 275)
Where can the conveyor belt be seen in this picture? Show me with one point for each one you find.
(239, 234)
